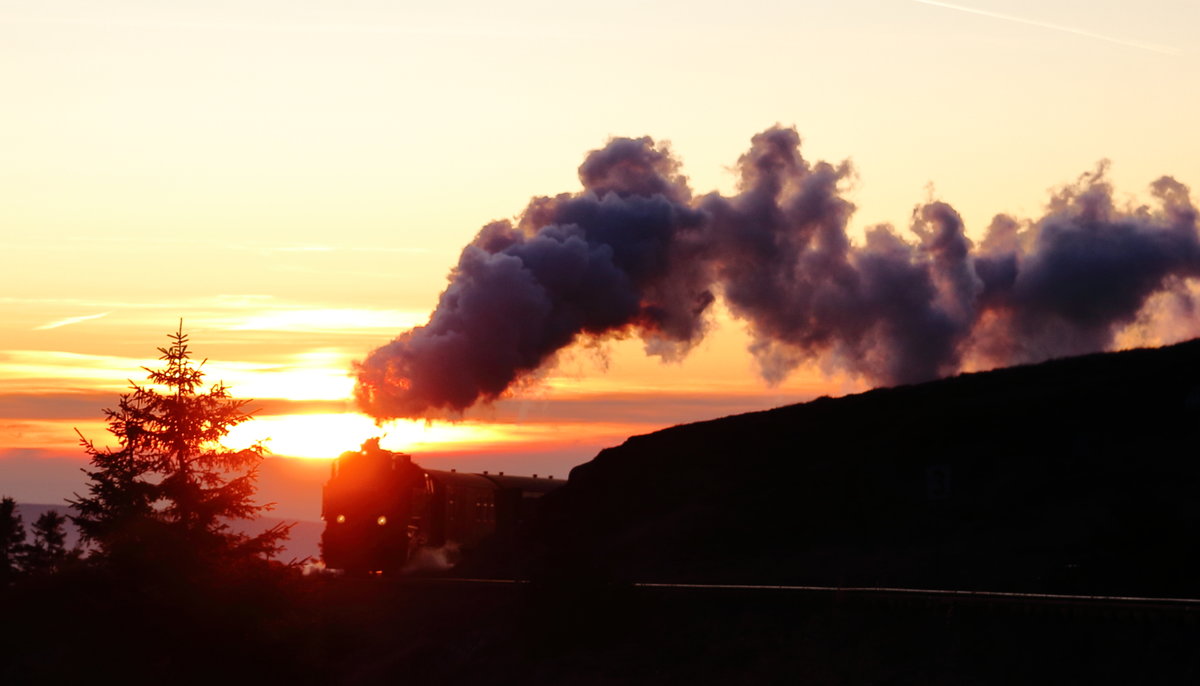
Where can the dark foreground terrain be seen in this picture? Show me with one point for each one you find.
(657, 636)
(375, 631)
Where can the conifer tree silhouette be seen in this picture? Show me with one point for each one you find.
(162, 499)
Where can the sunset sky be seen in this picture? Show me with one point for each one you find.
(294, 180)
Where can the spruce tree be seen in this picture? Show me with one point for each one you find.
(163, 497)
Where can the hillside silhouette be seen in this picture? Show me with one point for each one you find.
(1074, 475)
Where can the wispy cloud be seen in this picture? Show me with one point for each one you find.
(314, 375)
(41, 370)
(69, 321)
(319, 248)
(1152, 47)
(87, 405)
(514, 31)
(332, 320)
(303, 248)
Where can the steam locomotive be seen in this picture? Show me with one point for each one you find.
(385, 513)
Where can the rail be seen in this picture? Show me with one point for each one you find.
(947, 594)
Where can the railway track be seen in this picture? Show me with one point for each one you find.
(878, 591)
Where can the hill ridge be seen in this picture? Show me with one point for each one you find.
(1045, 476)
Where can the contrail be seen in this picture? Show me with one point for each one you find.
(68, 321)
(1161, 49)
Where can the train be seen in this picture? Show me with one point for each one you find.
(386, 514)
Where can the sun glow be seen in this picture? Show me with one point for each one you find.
(314, 375)
(328, 435)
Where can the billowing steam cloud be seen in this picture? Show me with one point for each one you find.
(636, 253)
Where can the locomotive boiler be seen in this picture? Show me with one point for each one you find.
(384, 513)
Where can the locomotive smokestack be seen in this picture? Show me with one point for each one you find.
(634, 252)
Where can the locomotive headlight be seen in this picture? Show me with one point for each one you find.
(381, 521)
(341, 519)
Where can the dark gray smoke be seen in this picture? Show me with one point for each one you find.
(635, 253)
(626, 254)
(1068, 282)
(888, 310)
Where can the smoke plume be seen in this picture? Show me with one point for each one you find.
(636, 253)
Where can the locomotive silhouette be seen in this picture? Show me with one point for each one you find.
(385, 513)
